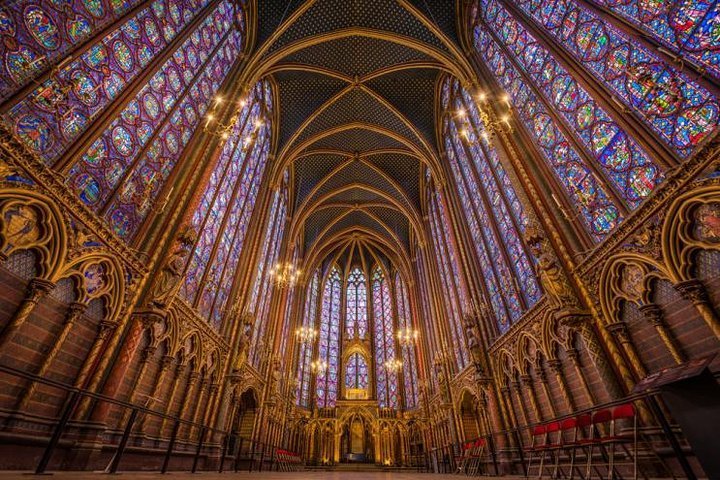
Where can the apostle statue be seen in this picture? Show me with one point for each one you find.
(171, 273)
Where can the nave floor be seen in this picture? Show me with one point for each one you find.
(245, 475)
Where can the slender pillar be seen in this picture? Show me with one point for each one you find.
(527, 381)
(168, 410)
(145, 357)
(546, 389)
(621, 332)
(555, 366)
(73, 313)
(653, 314)
(195, 409)
(37, 289)
(694, 291)
(574, 357)
(165, 363)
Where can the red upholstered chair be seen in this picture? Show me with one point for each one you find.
(536, 449)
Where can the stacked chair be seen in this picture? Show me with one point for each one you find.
(601, 444)
(288, 461)
(471, 457)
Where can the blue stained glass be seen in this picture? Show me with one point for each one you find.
(629, 169)
(304, 374)
(384, 341)
(599, 213)
(681, 112)
(329, 340)
(356, 305)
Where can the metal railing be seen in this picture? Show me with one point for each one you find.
(224, 446)
(442, 459)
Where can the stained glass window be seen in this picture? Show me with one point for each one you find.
(326, 392)
(263, 287)
(686, 28)
(617, 157)
(356, 304)
(356, 372)
(225, 208)
(680, 111)
(120, 170)
(305, 356)
(65, 105)
(409, 355)
(384, 341)
(453, 285)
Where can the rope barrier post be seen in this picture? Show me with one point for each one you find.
(113, 465)
(67, 411)
(201, 440)
(171, 445)
(226, 445)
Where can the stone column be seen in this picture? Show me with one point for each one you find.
(89, 366)
(165, 363)
(527, 381)
(37, 289)
(195, 409)
(546, 389)
(583, 324)
(168, 410)
(145, 357)
(73, 313)
(621, 332)
(555, 366)
(121, 365)
(574, 357)
(694, 291)
(654, 315)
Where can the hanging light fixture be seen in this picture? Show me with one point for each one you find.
(393, 365)
(319, 366)
(306, 334)
(407, 336)
(284, 274)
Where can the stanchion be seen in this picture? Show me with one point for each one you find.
(201, 440)
(67, 411)
(113, 465)
(171, 445)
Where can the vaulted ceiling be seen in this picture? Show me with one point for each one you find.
(356, 84)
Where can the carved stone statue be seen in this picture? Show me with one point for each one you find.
(442, 382)
(168, 280)
(244, 339)
(560, 294)
(473, 339)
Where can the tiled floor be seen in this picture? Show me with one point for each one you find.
(245, 475)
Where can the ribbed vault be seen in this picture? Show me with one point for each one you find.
(355, 85)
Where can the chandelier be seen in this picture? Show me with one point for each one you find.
(306, 334)
(284, 274)
(393, 365)
(216, 128)
(489, 126)
(407, 336)
(319, 366)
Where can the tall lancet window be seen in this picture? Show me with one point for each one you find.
(356, 325)
(305, 355)
(129, 91)
(555, 107)
(326, 391)
(409, 354)
(491, 205)
(384, 341)
(453, 285)
(680, 111)
(263, 289)
(223, 214)
(356, 373)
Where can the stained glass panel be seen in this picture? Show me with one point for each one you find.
(409, 354)
(384, 341)
(679, 110)
(304, 374)
(329, 343)
(356, 305)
